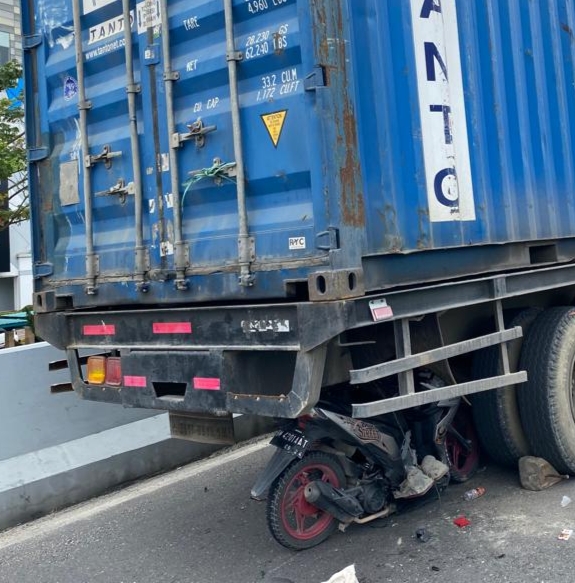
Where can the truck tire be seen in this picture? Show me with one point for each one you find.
(496, 413)
(546, 401)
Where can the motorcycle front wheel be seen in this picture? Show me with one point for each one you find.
(292, 520)
(461, 447)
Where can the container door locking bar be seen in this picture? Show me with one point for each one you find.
(92, 262)
(246, 244)
(181, 248)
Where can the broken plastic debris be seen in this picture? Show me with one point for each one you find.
(565, 534)
(461, 521)
(422, 535)
(474, 493)
(345, 576)
(565, 501)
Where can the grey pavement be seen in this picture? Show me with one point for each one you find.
(198, 525)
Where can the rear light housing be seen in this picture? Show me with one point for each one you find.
(105, 370)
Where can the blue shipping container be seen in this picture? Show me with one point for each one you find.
(260, 149)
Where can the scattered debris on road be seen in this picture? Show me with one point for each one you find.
(565, 534)
(474, 493)
(537, 474)
(461, 521)
(345, 576)
(422, 535)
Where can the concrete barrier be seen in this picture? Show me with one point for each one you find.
(57, 450)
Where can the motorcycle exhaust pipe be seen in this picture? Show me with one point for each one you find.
(333, 501)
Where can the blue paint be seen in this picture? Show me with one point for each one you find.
(349, 155)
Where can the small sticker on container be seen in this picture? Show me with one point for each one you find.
(70, 88)
(296, 243)
(166, 248)
(274, 123)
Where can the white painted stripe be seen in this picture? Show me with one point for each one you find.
(51, 461)
(49, 524)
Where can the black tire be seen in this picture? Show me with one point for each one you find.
(546, 401)
(496, 413)
(292, 521)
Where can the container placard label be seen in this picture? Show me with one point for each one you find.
(148, 15)
(274, 123)
(442, 110)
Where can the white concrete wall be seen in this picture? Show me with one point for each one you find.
(57, 450)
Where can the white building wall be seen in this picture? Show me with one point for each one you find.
(15, 285)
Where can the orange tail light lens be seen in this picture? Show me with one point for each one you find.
(96, 370)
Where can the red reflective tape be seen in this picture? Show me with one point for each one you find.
(172, 327)
(204, 384)
(99, 330)
(135, 381)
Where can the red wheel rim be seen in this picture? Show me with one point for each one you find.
(461, 460)
(302, 520)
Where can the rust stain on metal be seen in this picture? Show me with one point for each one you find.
(566, 28)
(333, 56)
(353, 209)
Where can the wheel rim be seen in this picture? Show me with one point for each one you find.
(302, 520)
(460, 459)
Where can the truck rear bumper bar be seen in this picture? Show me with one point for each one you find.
(269, 359)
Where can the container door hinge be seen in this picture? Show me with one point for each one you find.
(31, 41)
(331, 238)
(42, 270)
(315, 79)
(37, 154)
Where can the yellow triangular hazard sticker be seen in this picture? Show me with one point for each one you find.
(274, 123)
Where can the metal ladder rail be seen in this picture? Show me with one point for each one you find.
(246, 244)
(181, 250)
(407, 362)
(83, 107)
(141, 259)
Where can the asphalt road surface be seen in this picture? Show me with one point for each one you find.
(198, 525)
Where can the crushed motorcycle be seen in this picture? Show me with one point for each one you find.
(330, 470)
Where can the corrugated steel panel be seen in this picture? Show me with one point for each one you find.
(435, 138)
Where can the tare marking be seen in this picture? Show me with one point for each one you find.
(442, 111)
